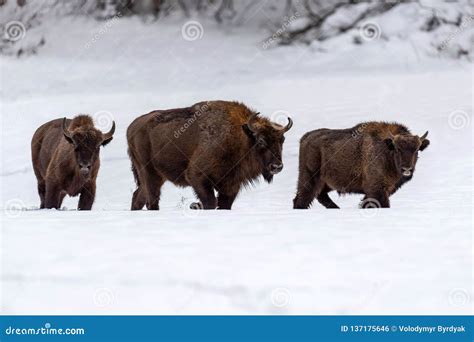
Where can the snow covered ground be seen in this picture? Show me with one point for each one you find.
(262, 257)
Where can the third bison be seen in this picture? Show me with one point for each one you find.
(214, 146)
(372, 158)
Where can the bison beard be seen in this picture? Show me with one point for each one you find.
(372, 158)
(267, 176)
(214, 146)
(65, 157)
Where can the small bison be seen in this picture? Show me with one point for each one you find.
(66, 161)
(373, 158)
(214, 146)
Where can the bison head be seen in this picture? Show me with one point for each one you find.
(268, 141)
(86, 142)
(405, 148)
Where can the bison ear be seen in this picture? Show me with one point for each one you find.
(424, 144)
(390, 144)
(248, 131)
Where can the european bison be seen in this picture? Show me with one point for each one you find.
(65, 157)
(210, 146)
(372, 158)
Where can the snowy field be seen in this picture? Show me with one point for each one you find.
(262, 257)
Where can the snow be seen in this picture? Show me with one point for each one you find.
(262, 257)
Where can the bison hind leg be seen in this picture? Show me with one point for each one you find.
(154, 193)
(150, 184)
(138, 199)
(325, 200)
(308, 186)
(42, 193)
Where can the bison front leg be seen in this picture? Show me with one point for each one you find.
(376, 199)
(226, 199)
(205, 192)
(87, 197)
(52, 196)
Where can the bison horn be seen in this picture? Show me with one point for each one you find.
(423, 137)
(65, 129)
(110, 133)
(251, 121)
(288, 125)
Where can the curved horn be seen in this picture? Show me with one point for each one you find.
(251, 121)
(110, 133)
(288, 125)
(423, 137)
(65, 129)
(391, 136)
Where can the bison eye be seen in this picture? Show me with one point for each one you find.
(261, 142)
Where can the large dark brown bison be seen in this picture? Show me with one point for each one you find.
(372, 158)
(214, 146)
(66, 161)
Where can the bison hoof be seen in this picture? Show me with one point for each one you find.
(196, 205)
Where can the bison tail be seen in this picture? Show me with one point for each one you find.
(134, 169)
(135, 175)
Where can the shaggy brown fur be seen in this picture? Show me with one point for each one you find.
(65, 157)
(372, 158)
(210, 146)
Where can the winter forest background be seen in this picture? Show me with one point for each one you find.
(433, 27)
(324, 63)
